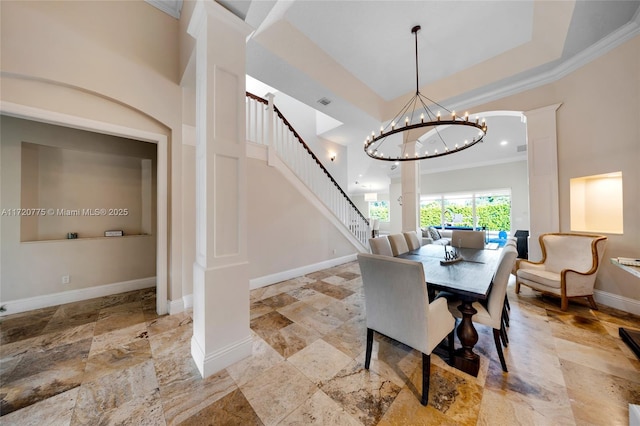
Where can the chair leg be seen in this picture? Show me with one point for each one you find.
(426, 371)
(451, 348)
(496, 338)
(592, 302)
(504, 337)
(367, 359)
(505, 316)
(517, 286)
(564, 303)
(506, 302)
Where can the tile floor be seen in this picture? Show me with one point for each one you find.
(113, 361)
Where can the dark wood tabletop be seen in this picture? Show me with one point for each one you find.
(469, 278)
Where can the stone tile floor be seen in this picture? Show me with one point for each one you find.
(112, 360)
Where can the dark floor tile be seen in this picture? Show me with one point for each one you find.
(329, 289)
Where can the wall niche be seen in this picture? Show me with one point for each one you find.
(85, 184)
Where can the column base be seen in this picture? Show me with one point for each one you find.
(222, 358)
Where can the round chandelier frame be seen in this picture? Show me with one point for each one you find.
(417, 114)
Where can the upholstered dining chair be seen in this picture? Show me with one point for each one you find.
(396, 305)
(568, 268)
(413, 242)
(398, 244)
(468, 239)
(490, 313)
(380, 245)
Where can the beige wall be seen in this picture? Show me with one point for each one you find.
(285, 230)
(35, 268)
(598, 132)
(96, 61)
(73, 170)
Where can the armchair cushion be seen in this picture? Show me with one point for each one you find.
(568, 268)
(542, 277)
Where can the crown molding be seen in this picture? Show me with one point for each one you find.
(606, 44)
(171, 7)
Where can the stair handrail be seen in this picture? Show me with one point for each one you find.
(306, 147)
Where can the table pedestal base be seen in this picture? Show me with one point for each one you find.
(469, 366)
(631, 338)
(465, 359)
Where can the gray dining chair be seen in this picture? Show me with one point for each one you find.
(396, 306)
(469, 239)
(380, 245)
(413, 242)
(490, 313)
(398, 244)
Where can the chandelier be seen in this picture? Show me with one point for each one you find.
(417, 115)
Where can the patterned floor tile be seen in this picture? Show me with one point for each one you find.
(113, 360)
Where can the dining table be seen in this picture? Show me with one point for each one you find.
(469, 277)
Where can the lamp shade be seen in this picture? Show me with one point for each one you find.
(371, 196)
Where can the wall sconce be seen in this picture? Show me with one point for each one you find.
(400, 200)
(332, 156)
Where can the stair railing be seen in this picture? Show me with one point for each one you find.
(267, 126)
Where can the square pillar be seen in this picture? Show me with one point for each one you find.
(221, 333)
(542, 152)
(410, 179)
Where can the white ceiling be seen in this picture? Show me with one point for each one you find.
(361, 56)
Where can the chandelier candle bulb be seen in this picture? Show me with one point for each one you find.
(438, 115)
(422, 118)
(466, 116)
(406, 121)
(453, 115)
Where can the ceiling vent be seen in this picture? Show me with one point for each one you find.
(522, 148)
(324, 101)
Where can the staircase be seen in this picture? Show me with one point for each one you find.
(290, 154)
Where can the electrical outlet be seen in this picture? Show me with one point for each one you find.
(66, 279)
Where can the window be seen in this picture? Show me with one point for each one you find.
(379, 210)
(490, 210)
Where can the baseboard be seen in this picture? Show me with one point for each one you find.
(39, 302)
(619, 302)
(180, 305)
(298, 272)
(209, 364)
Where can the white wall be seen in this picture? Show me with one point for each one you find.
(507, 175)
(303, 119)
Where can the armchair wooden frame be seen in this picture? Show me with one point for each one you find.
(566, 290)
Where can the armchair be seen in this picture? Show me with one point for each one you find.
(568, 268)
(397, 306)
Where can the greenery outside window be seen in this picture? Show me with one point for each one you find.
(490, 210)
(379, 210)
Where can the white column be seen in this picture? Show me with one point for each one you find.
(410, 178)
(542, 151)
(221, 334)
